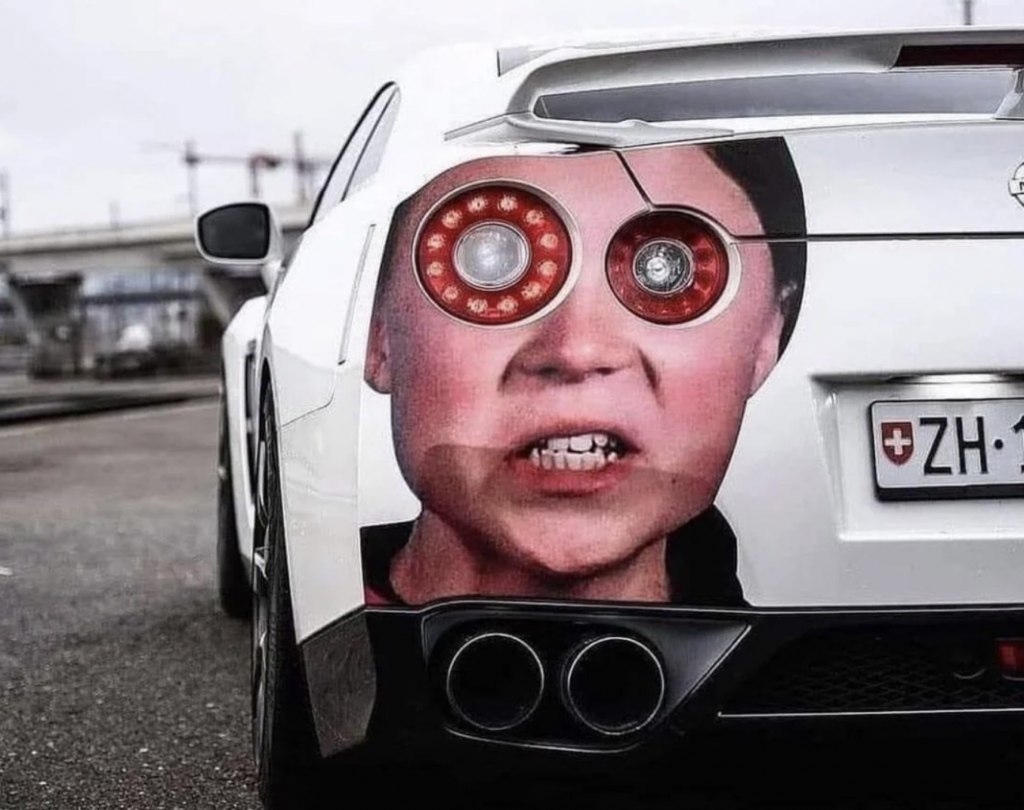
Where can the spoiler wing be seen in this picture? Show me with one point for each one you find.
(582, 69)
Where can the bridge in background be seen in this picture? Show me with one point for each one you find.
(65, 294)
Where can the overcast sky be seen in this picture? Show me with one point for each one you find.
(89, 91)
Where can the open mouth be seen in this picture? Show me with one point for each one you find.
(580, 452)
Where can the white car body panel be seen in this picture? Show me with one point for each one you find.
(817, 534)
(954, 179)
(321, 460)
(314, 290)
(813, 536)
(239, 341)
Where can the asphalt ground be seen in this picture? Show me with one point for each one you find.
(123, 686)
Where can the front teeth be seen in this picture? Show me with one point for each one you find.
(581, 453)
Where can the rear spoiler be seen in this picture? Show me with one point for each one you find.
(542, 73)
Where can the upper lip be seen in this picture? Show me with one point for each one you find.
(575, 427)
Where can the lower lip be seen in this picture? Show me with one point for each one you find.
(569, 482)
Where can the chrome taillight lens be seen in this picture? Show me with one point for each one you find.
(493, 255)
(667, 267)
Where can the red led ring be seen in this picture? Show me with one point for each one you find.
(709, 268)
(537, 221)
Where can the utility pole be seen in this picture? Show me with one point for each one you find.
(191, 161)
(254, 162)
(302, 170)
(257, 161)
(5, 204)
(968, 12)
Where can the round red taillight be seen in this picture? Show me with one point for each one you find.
(667, 267)
(493, 255)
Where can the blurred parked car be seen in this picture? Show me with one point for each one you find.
(137, 353)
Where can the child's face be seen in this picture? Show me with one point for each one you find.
(470, 403)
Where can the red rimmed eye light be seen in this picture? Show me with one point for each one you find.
(667, 267)
(493, 255)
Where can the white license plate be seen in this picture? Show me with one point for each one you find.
(948, 448)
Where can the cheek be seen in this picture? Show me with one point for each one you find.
(445, 375)
(705, 388)
(707, 371)
(704, 402)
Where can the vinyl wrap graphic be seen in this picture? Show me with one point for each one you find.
(568, 345)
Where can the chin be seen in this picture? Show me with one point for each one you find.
(571, 552)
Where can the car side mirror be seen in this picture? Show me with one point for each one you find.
(242, 234)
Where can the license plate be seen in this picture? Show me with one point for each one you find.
(948, 449)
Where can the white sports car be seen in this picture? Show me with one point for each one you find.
(634, 389)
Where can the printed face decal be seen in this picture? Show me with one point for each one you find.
(567, 435)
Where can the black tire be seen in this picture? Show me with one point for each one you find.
(290, 773)
(233, 585)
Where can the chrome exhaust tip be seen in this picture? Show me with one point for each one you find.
(614, 685)
(494, 681)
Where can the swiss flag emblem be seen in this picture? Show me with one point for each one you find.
(898, 441)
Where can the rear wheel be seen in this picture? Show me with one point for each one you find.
(232, 583)
(289, 770)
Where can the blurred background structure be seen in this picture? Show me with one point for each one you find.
(162, 110)
(123, 299)
(132, 299)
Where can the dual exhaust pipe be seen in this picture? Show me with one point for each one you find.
(611, 684)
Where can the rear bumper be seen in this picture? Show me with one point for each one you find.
(377, 677)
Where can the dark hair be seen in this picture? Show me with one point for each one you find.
(764, 169)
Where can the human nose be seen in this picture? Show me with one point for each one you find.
(581, 339)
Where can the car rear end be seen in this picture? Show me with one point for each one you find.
(875, 486)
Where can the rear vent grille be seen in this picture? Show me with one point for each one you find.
(860, 672)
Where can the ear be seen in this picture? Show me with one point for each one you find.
(767, 349)
(378, 356)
